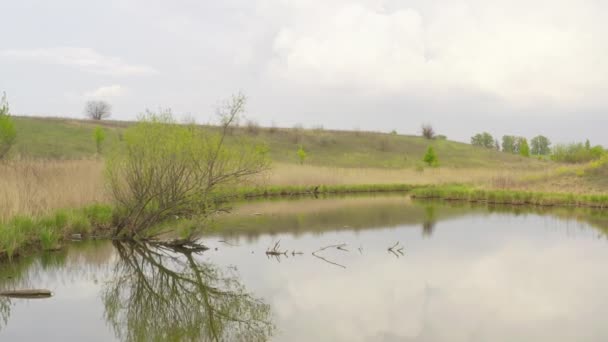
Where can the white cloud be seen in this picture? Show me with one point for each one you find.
(545, 52)
(84, 59)
(106, 92)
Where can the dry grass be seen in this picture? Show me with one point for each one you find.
(291, 174)
(38, 187)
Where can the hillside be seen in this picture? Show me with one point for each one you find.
(55, 138)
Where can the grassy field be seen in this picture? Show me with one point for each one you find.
(52, 138)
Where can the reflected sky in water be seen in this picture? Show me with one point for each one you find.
(471, 275)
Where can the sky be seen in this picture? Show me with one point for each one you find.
(521, 67)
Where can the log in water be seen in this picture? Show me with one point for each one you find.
(30, 293)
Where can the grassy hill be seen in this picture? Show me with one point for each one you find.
(56, 138)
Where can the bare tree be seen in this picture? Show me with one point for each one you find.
(428, 131)
(98, 110)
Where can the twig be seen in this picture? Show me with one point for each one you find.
(395, 250)
(228, 243)
(339, 247)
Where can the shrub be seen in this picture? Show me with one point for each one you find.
(8, 134)
(99, 135)
(576, 153)
(430, 158)
(302, 155)
(165, 170)
(524, 149)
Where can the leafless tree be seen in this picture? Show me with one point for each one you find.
(428, 131)
(98, 110)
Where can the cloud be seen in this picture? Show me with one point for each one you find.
(106, 92)
(525, 54)
(85, 59)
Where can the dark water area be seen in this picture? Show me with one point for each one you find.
(459, 272)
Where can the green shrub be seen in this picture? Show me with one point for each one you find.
(430, 158)
(8, 133)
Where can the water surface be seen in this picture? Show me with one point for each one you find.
(465, 273)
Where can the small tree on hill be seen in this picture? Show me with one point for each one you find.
(301, 155)
(98, 110)
(100, 136)
(524, 149)
(430, 158)
(428, 132)
(8, 134)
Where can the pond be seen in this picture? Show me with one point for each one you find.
(362, 268)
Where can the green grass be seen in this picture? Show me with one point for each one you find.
(465, 193)
(22, 234)
(73, 139)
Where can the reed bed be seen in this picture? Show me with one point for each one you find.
(39, 187)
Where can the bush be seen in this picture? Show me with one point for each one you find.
(576, 153)
(165, 170)
(8, 134)
(430, 158)
(99, 135)
(302, 155)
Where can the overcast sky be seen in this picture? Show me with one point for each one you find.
(521, 67)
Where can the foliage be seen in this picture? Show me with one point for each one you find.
(99, 135)
(576, 153)
(484, 139)
(524, 149)
(509, 144)
(166, 170)
(428, 132)
(441, 137)
(541, 145)
(8, 133)
(302, 155)
(98, 110)
(430, 158)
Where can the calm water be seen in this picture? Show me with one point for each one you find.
(466, 274)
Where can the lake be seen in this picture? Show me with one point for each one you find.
(357, 268)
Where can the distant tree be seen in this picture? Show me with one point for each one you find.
(540, 145)
(496, 145)
(441, 137)
(484, 139)
(428, 132)
(8, 134)
(98, 110)
(524, 149)
(430, 158)
(587, 144)
(99, 135)
(508, 144)
(302, 155)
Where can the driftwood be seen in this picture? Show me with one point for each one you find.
(339, 247)
(31, 293)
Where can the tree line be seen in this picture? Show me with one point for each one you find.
(540, 146)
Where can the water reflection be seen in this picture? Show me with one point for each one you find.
(163, 295)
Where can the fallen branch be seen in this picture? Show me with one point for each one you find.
(396, 249)
(30, 294)
(275, 251)
(339, 247)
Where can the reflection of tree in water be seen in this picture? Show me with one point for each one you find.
(430, 220)
(163, 295)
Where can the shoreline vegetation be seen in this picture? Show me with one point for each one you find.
(22, 234)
